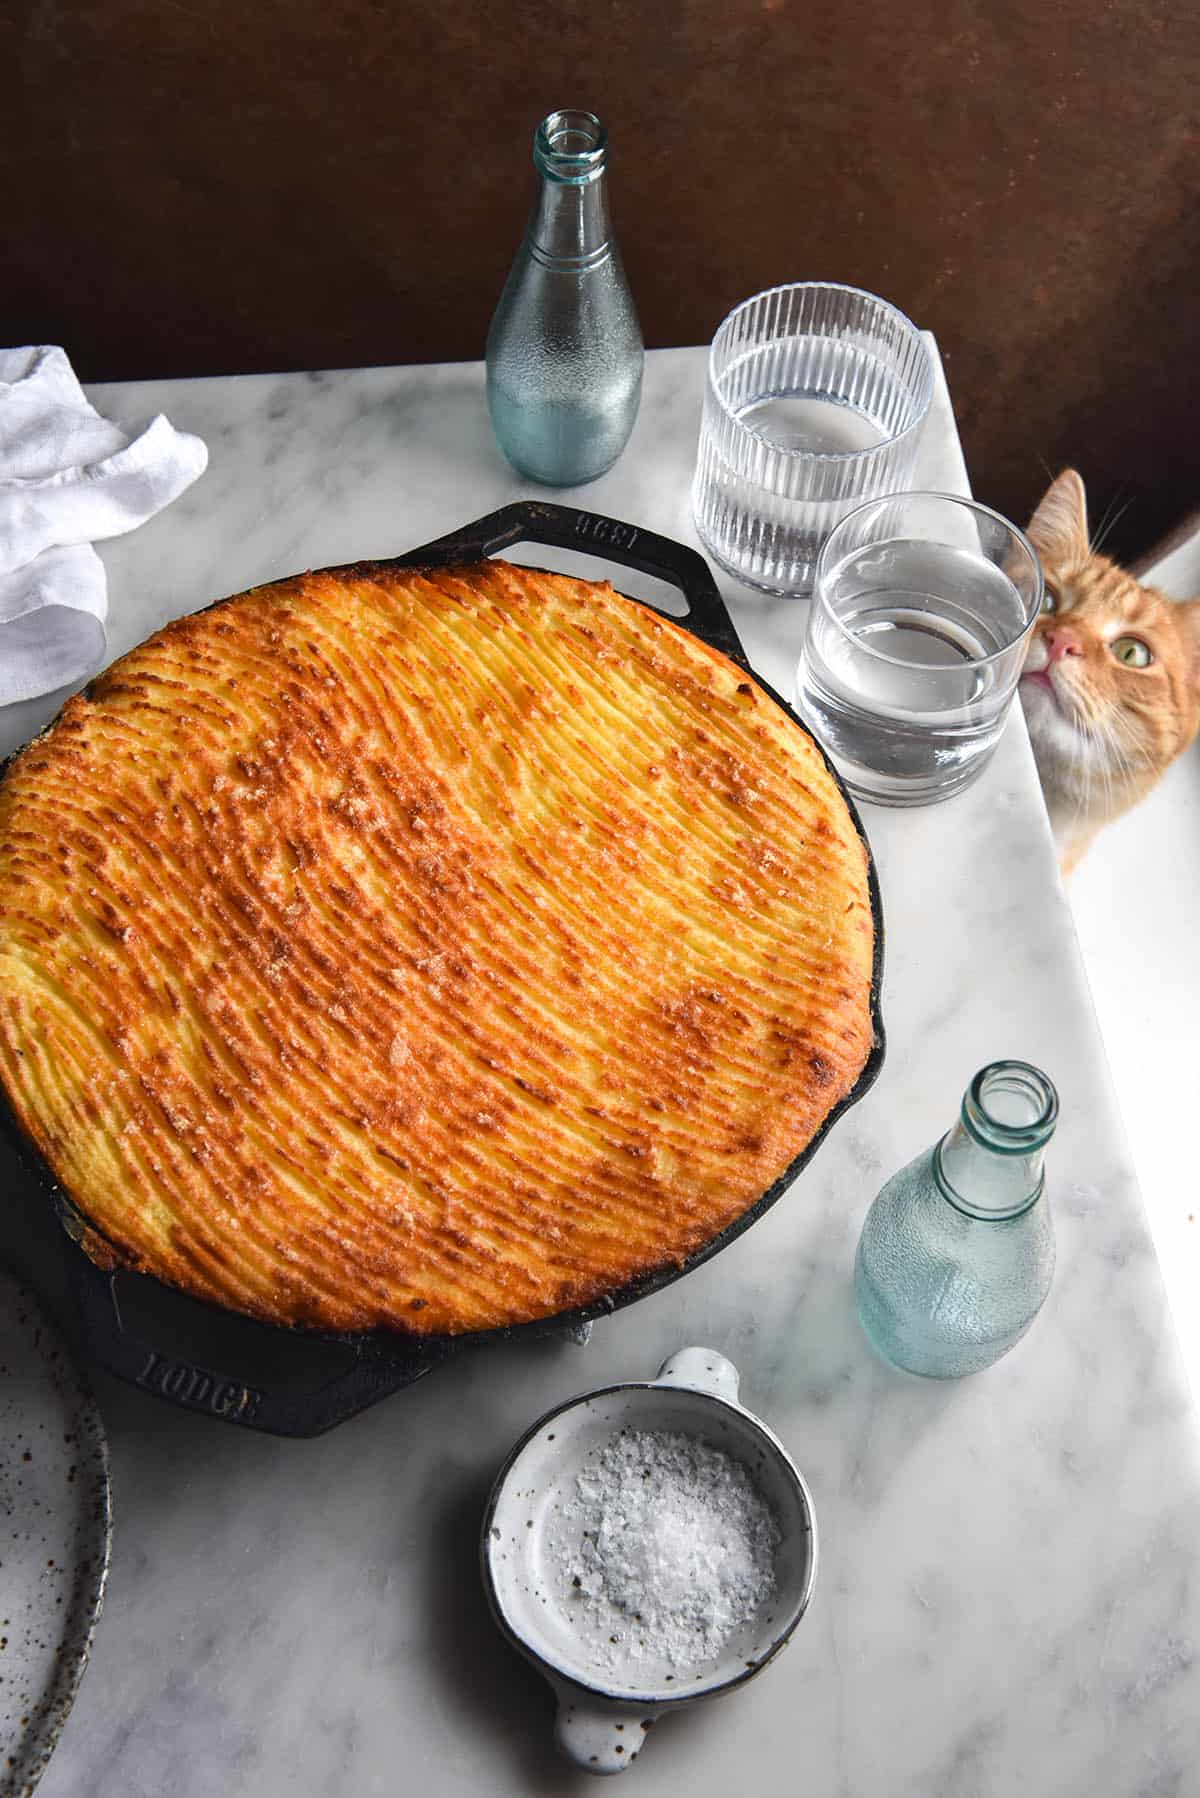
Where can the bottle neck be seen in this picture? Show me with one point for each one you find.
(983, 1184)
(569, 226)
(990, 1165)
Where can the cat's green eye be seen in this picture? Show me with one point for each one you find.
(1049, 599)
(1132, 651)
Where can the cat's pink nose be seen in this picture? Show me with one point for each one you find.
(1060, 643)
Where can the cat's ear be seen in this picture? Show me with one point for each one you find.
(1058, 529)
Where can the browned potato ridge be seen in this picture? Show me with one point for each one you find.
(424, 950)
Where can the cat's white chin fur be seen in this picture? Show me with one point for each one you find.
(1056, 739)
(1080, 785)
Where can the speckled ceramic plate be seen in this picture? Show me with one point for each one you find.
(55, 1527)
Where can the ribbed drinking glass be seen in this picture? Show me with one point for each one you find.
(814, 401)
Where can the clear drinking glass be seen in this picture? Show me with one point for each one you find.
(921, 612)
(814, 401)
(956, 1255)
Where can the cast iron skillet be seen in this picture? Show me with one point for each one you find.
(300, 1382)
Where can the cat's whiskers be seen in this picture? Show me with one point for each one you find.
(1079, 771)
(1112, 755)
(1113, 514)
(1078, 777)
(1114, 762)
(1097, 754)
(1098, 763)
(1118, 730)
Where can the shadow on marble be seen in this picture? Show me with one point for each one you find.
(511, 1702)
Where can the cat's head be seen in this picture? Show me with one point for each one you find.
(1111, 684)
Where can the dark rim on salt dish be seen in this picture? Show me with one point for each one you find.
(569, 1680)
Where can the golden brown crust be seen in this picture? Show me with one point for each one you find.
(427, 950)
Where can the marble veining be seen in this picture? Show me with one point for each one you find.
(1008, 1597)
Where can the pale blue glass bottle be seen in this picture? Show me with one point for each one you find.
(956, 1255)
(564, 352)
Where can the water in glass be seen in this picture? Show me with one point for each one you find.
(812, 422)
(909, 665)
(814, 400)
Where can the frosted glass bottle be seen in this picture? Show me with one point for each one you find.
(957, 1252)
(564, 352)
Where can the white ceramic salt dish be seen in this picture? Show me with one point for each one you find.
(604, 1713)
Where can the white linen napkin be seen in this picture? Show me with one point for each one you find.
(68, 478)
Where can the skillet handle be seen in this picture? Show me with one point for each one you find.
(565, 527)
(232, 1367)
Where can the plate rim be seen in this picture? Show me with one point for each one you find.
(38, 1742)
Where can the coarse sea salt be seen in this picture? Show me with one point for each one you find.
(669, 1549)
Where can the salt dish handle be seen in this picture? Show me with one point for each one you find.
(600, 1735)
(700, 1370)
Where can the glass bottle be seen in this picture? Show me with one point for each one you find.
(564, 352)
(957, 1252)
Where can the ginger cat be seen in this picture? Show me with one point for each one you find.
(1111, 685)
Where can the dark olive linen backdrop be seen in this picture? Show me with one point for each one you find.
(197, 186)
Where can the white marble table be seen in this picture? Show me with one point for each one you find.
(1008, 1598)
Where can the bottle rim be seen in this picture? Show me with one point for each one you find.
(1010, 1107)
(570, 146)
